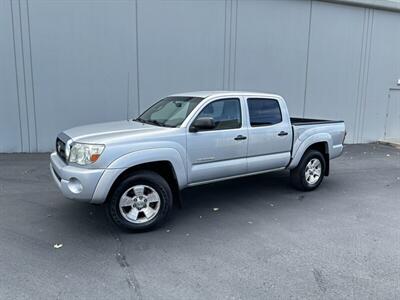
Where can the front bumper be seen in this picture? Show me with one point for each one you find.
(74, 182)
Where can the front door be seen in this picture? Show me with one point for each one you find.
(219, 152)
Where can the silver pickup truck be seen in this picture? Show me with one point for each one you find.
(138, 167)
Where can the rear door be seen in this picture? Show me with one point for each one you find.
(219, 152)
(270, 134)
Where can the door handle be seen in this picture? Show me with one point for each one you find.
(240, 137)
(282, 133)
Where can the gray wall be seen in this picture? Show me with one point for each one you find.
(66, 63)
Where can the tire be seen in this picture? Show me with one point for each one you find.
(306, 182)
(144, 195)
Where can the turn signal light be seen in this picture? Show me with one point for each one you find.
(94, 157)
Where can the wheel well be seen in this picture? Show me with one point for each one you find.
(323, 148)
(163, 168)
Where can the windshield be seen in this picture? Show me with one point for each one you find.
(170, 111)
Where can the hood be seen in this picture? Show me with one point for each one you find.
(105, 133)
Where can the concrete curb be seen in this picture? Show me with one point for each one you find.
(393, 144)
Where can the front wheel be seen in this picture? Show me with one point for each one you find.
(310, 171)
(140, 202)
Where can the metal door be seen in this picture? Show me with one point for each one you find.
(392, 122)
(270, 143)
(216, 154)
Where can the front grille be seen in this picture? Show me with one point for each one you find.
(60, 148)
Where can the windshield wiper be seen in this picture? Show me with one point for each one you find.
(143, 121)
(155, 122)
(158, 123)
(152, 122)
(139, 120)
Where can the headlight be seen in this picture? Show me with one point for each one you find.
(85, 154)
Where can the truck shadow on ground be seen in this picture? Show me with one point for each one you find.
(247, 189)
(239, 197)
(251, 193)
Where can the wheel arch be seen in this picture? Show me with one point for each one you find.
(165, 161)
(164, 168)
(318, 143)
(323, 148)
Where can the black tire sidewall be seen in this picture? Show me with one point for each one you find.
(305, 160)
(151, 179)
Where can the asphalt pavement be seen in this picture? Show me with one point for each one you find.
(249, 238)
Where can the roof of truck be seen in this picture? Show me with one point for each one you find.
(205, 94)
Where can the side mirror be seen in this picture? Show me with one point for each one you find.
(203, 123)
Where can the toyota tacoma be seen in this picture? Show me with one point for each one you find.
(138, 167)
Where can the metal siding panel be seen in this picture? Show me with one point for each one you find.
(10, 134)
(82, 60)
(271, 50)
(91, 61)
(334, 63)
(28, 76)
(384, 71)
(181, 47)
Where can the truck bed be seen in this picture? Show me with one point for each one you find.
(332, 132)
(304, 121)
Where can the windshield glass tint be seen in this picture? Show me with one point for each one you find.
(170, 111)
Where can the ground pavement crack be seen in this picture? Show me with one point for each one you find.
(319, 279)
(120, 256)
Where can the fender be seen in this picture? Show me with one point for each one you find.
(136, 158)
(300, 147)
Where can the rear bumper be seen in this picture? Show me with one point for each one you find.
(74, 182)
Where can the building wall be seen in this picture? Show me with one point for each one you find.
(67, 63)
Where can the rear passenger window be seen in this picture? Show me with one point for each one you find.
(264, 112)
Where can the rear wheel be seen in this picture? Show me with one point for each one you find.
(140, 202)
(310, 171)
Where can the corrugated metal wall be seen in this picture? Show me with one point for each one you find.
(66, 63)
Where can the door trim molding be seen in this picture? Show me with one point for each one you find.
(233, 177)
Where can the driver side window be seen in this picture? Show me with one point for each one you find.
(225, 112)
